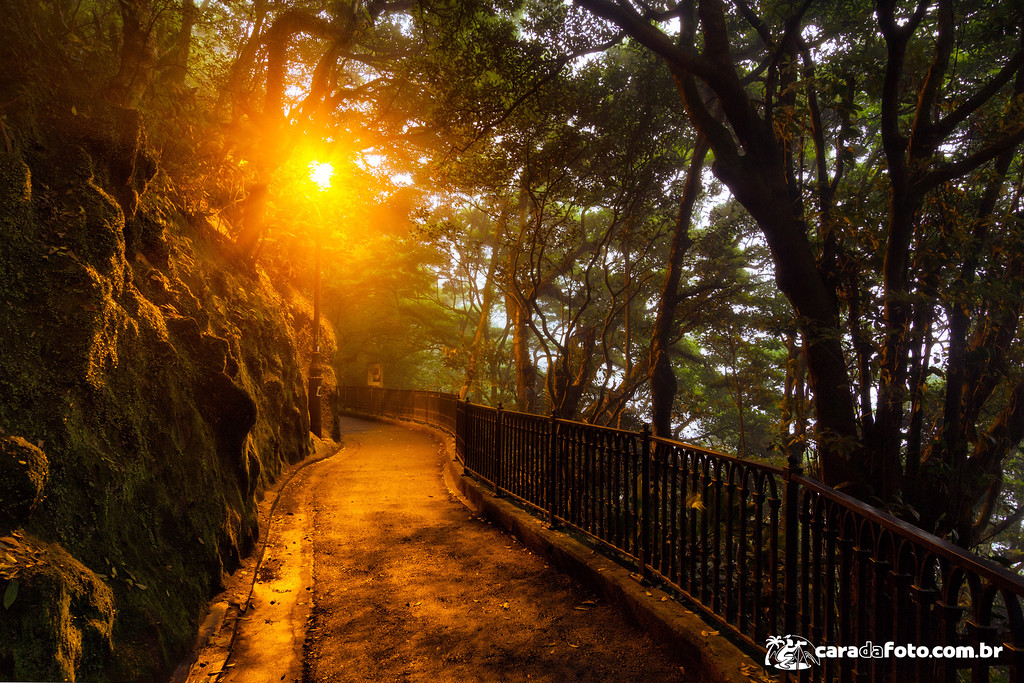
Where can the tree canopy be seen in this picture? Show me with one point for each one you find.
(782, 228)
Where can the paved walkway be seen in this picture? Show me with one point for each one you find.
(408, 585)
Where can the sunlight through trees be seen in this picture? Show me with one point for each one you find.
(764, 226)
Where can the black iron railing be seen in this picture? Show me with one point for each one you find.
(430, 407)
(762, 550)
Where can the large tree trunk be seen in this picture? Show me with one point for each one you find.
(752, 162)
(136, 54)
(175, 61)
(663, 377)
(526, 372)
(573, 373)
(760, 185)
(471, 386)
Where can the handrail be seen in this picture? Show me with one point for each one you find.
(762, 550)
(998, 576)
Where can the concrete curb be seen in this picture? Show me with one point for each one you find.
(716, 659)
(702, 647)
(215, 637)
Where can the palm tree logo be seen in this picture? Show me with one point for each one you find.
(790, 653)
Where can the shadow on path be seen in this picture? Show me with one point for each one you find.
(410, 586)
(374, 571)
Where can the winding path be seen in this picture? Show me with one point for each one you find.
(408, 585)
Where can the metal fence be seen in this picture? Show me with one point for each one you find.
(764, 551)
(429, 407)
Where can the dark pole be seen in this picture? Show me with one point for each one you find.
(791, 522)
(315, 371)
(320, 173)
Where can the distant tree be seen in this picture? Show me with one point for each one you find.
(799, 103)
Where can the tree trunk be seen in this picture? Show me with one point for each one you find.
(759, 185)
(663, 377)
(526, 372)
(471, 387)
(175, 60)
(135, 55)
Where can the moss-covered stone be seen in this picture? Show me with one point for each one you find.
(23, 473)
(60, 623)
(167, 388)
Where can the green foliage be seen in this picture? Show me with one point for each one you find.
(164, 389)
(877, 147)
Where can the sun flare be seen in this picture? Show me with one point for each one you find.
(320, 172)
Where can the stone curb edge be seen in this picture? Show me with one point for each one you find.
(216, 631)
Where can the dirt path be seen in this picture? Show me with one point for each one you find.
(408, 585)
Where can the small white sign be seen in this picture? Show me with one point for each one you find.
(375, 375)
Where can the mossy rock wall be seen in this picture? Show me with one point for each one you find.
(162, 387)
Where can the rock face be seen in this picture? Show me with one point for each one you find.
(149, 391)
(23, 473)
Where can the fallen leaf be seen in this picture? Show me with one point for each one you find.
(709, 633)
(11, 594)
(756, 673)
(504, 605)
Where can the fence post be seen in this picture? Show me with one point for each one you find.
(645, 502)
(460, 432)
(467, 446)
(499, 448)
(553, 470)
(791, 524)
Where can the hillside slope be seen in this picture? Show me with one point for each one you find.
(149, 390)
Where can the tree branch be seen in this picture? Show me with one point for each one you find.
(946, 125)
(649, 36)
(922, 139)
(955, 169)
